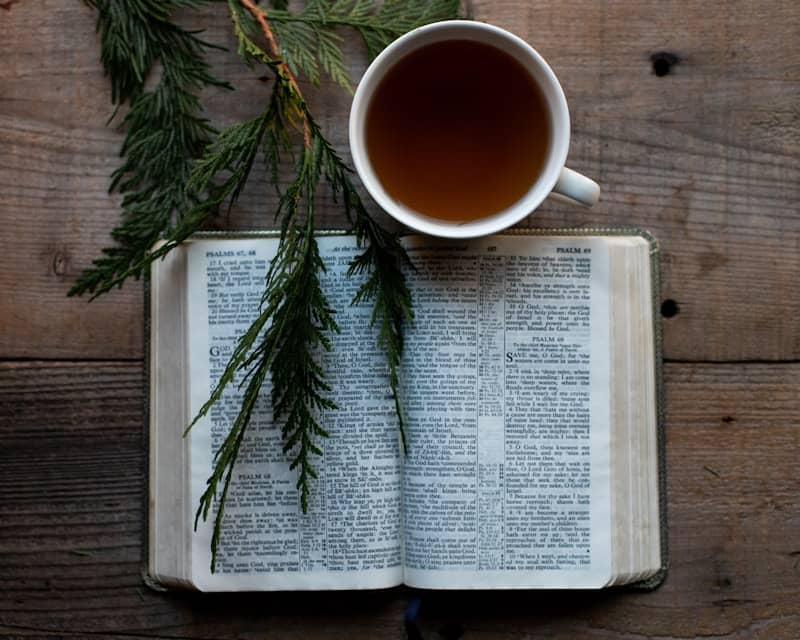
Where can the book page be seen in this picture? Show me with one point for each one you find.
(350, 537)
(506, 392)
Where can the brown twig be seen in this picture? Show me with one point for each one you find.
(261, 17)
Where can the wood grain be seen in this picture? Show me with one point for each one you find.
(705, 156)
(71, 527)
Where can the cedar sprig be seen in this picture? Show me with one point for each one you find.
(295, 322)
(293, 327)
(310, 42)
(165, 128)
(230, 156)
(382, 261)
(382, 264)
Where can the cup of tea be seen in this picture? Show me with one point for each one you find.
(460, 129)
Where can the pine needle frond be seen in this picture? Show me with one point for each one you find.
(295, 322)
(293, 326)
(178, 171)
(382, 261)
(310, 42)
(165, 128)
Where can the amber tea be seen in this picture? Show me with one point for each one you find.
(457, 130)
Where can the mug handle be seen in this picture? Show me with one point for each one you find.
(577, 188)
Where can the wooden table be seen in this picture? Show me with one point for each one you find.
(704, 153)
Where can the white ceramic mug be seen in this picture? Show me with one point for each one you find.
(555, 177)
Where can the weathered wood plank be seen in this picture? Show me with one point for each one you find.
(71, 526)
(704, 156)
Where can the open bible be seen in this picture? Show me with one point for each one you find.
(530, 388)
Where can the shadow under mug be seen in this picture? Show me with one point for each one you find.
(554, 178)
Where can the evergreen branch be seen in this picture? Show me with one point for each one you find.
(232, 154)
(165, 129)
(382, 261)
(178, 172)
(295, 319)
(310, 45)
(284, 341)
(396, 17)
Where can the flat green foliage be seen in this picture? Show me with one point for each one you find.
(165, 128)
(178, 172)
(382, 261)
(311, 44)
(295, 321)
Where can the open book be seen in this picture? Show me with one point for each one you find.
(530, 388)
